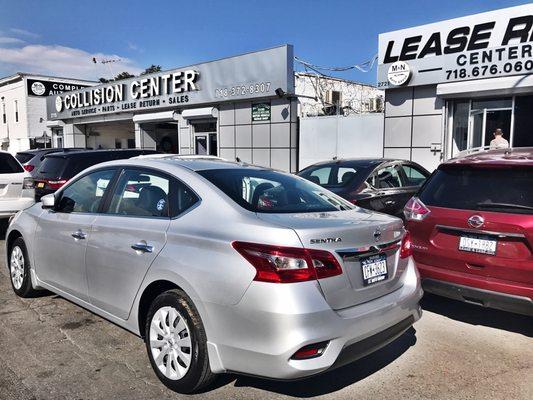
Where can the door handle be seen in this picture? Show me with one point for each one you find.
(142, 247)
(79, 235)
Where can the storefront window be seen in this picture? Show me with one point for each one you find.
(461, 109)
(475, 121)
(492, 103)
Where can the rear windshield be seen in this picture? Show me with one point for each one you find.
(23, 158)
(266, 191)
(508, 190)
(52, 167)
(336, 175)
(8, 164)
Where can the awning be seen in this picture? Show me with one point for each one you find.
(197, 113)
(55, 124)
(164, 116)
(503, 86)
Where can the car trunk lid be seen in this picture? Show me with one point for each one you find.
(353, 237)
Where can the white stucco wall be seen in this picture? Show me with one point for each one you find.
(356, 98)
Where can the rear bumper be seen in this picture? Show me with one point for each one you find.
(485, 298)
(259, 335)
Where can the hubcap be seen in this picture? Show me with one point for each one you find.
(170, 343)
(17, 267)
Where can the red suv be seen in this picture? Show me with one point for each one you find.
(471, 228)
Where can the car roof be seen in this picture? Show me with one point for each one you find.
(197, 163)
(357, 161)
(514, 156)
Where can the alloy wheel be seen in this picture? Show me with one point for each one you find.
(17, 267)
(170, 343)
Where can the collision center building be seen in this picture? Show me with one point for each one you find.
(241, 106)
(449, 85)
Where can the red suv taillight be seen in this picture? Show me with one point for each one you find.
(281, 264)
(415, 210)
(28, 167)
(406, 250)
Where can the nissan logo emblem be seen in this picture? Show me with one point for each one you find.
(476, 221)
(377, 235)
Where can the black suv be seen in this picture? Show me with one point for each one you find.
(57, 168)
(31, 159)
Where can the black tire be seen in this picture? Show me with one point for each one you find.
(26, 289)
(198, 375)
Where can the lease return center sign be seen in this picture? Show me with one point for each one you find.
(493, 44)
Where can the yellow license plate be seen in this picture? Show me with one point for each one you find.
(40, 185)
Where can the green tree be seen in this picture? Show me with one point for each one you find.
(123, 75)
(151, 69)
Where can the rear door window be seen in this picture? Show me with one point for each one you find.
(507, 190)
(9, 165)
(141, 193)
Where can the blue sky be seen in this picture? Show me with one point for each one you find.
(61, 37)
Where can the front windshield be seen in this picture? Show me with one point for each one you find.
(267, 191)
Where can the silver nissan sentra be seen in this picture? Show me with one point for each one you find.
(220, 266)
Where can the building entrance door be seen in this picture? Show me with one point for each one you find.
(205, 138)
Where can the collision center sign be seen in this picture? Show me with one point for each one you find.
(492, 44)
(248, 76)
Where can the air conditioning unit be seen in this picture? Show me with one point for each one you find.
(375, 104)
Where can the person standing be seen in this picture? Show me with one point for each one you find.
(499, 142)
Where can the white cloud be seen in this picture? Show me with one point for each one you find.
(10, 40)
(23, 32)
(63, 61)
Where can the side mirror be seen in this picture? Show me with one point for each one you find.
(48, 201)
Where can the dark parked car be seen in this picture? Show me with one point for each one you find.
(32, 159)
(471, 227)
(57, 168)
(378, 184)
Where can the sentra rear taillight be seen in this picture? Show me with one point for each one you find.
(29, 167)
(415, 210)
(280, 264)
(406, 250)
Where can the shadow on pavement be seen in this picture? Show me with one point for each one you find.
(478, 315)
(334, 380)
(3, 228)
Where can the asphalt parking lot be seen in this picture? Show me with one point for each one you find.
(53, 349)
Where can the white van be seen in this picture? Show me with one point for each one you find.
(16, 186)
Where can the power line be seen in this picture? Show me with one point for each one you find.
(363, 67)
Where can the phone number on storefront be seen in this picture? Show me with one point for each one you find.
(489, 70)
(242, 90)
